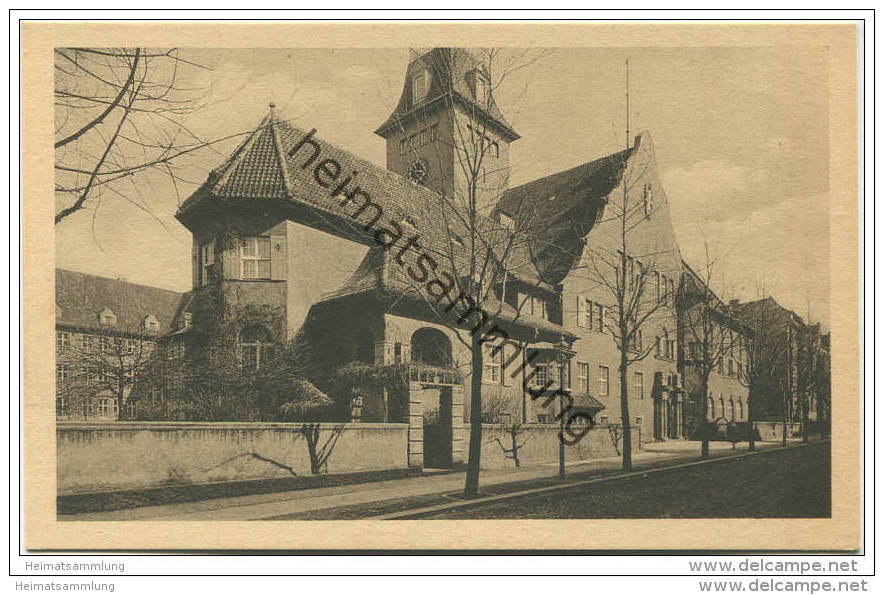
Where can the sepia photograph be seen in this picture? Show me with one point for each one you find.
(456, 282)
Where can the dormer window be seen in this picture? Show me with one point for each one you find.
(106, 317)
(481, 88)
(420, 85)
(151, 324)
(506, 221)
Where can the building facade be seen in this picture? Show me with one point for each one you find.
(574, 277)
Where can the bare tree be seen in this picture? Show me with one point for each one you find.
(708, 334)
(105, 366)
(483, 251)
(499, 409)
(121, 112)
(625, 272)
(761, 346)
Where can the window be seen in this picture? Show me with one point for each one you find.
(599, 318)
(131, 409)
(494, 149)
(62, 341)
(61, 374)
(710, 405)
(130, 346)
(506, 221)
(636, 341)
(583, 377)
(483, 89)
(672, 291)
(151, 324)
(740, 404)
(648, 199)
(256, 349)
(88, 343)
(730, 367)
(657, 351)
(672, 349)
(61, 407)
(603, 420)
(207, 263)
(254, 258)
(88, 408)
(721, 366)
(538, 308)
(104, 408)
(733, 410)
(419, 87)
(639, 421)
(603, 380)
(721, 405)
(543, 418)
(540, 375)
(106, 317)
(104, 345)
(492, 365)
(638, 384)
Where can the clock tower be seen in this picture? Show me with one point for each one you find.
(447, 132)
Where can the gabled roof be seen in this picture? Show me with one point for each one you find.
(449, 82)
(79, 297)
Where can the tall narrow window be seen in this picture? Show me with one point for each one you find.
(62, 341)
(540, 375)
(207, 263)
(638, 384)
(603, 380)
(583, 377)
(254, 257)
(599, 318)
(492, 363)
(419, 87)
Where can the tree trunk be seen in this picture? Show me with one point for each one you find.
(624, 413)
(704, 391)
(751, 420)
(471, 488)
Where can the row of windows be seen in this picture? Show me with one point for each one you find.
(93, 377)
(583, 385)
(419, 139)
(100, 407)
(101, 344)
(733, 410)
(486, 146)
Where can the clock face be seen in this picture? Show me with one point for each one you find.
(418, 171)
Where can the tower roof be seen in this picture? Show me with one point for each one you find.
(451, 82)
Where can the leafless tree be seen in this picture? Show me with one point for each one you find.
(626, 274)
(121, 113)
(106, 365)
(761, 346)
(709, 333)
(482, 251)
(500, 409)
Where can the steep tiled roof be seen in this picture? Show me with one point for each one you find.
(449, 81)
(560, 209)
(79, 297)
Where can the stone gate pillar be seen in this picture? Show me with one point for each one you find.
(415, 425)
(458, 441)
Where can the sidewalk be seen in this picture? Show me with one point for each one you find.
(281, 504)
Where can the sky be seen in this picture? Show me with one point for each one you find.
(741, 140)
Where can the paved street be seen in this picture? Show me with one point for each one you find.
(787, 483)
